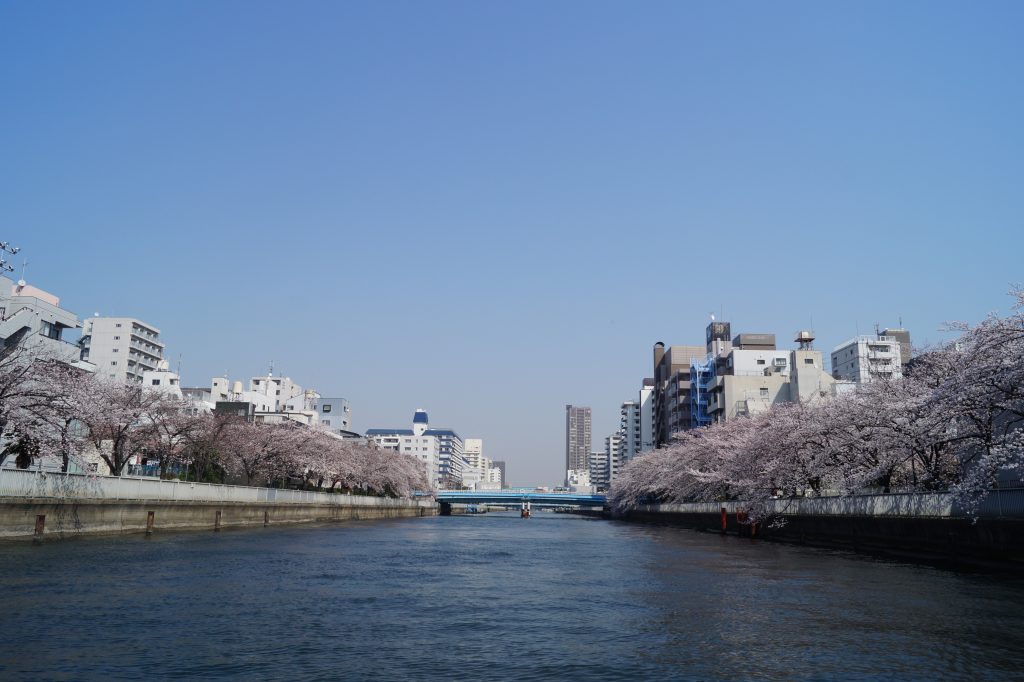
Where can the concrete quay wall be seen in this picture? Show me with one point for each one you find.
(990, 542)
(62, 518)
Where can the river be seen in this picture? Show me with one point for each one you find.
(492, 597)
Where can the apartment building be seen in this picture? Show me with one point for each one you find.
(866, 358)
(121, 348)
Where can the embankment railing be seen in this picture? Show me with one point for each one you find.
(1005, 503)
(17, 483)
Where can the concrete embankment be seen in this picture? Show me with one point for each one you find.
(64, 505)
(64, 518)
(928, 535)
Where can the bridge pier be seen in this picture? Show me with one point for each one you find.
(446, 508)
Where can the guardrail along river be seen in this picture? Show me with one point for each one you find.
(493, 597)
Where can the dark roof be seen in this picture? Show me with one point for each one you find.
(441, 432)
(389, 432)
(419, 418)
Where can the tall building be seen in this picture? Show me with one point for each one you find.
(597, 467)
(122, 348)
(577, 438)
(864, 358)
(629, 429)
(475, 471)
(613, 455)
(646, 402)
(671, 389)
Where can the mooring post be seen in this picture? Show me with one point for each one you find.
(216, 521)
(150, 518)
(266, 519)
(40, 526)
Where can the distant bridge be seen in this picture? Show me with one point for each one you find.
(519, 497)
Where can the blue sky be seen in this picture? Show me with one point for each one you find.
(490, 210)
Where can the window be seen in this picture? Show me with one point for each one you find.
(118, 324)
(764, 392)
(808, 361)
(156, 382)
(116, 349)
(113, 362)
(117, 338)
(760, 361)
(327, 422)
(327, 408)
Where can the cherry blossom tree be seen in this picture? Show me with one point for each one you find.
(953, 422)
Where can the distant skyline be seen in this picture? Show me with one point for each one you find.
(491, 210)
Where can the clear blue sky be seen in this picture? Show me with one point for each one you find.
(490, 210)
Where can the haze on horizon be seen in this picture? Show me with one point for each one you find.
(491, 210)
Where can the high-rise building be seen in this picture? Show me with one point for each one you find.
(122, 348)
(475, 471)
(613, 455)
(577, 438)
(671, 389)
(597, 467)
(629, 429)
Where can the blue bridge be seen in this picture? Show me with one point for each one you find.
(520, 497)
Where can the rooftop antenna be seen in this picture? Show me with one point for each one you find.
(4, 265)
(877, 330)
(271, 373)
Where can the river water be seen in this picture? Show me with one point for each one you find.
(492, 597)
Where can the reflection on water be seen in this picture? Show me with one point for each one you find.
(492, 597)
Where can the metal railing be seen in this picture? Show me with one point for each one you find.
(16, 483)
(1006, 503)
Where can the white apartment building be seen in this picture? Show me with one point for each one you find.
(613, 455)
(121, 348)
(278, 389)
(335, 415)
(164, 380)
(646, 404)
(629, 430)
(864, 358)
(475, 470)
(598, 470)
(424, 448)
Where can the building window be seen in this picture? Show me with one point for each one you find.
(116, 349)
(808, 361)
(117, 338)
(760, 361)
(764, 392)
(156, 382)
(118, 324)
(327, 408)
(113, 362)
